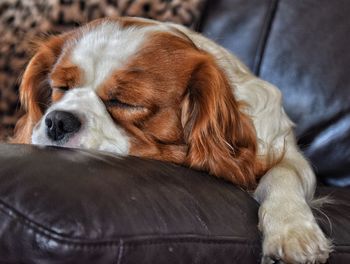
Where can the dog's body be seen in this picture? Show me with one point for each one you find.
(139, 87)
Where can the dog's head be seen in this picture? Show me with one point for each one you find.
(137, 87)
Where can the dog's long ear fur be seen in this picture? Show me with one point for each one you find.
(220, 137)
(35, 89)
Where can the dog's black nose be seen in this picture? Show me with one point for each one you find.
(61, 123)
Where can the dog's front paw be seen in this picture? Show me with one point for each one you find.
(298, 242)
(291, 234)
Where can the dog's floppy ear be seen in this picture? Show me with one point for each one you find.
(220, 137)
(35, 90)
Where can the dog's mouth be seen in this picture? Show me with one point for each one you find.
(69, 140)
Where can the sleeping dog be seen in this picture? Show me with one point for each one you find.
(158, 90)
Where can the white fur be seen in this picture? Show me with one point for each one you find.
(102, 50)
(289, 228)
(105, 48)
(98, 130)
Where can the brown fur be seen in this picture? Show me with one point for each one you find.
(34, 90)
(221, 138)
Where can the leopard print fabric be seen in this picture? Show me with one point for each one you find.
(22, 21)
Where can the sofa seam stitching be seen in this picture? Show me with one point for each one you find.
(120, 252)
(29, 224)
(264, 36)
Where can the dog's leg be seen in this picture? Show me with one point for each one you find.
(290, 231)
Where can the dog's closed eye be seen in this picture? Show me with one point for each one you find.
(60, 89)
(117, 103)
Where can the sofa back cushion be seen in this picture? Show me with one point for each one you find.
(302, 48)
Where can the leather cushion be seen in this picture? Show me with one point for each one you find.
(73, 206)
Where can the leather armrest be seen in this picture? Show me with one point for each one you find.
(73, 206)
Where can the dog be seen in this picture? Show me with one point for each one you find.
(138, 87)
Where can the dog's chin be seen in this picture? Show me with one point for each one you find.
(70, 141)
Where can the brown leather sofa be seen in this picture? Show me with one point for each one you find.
(75, 206)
